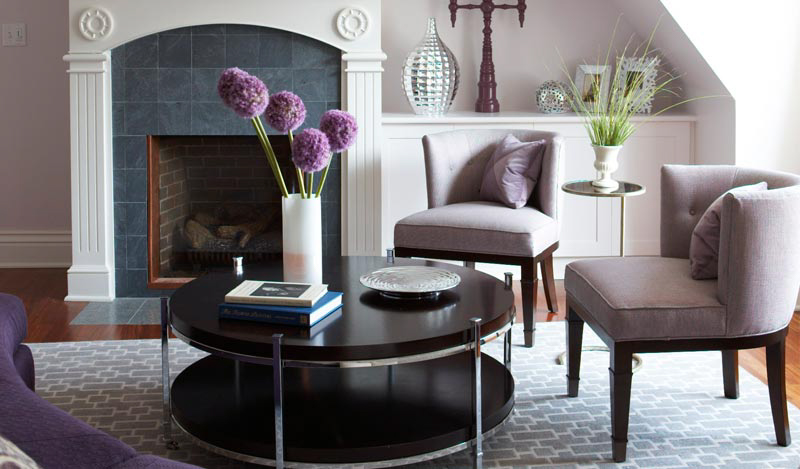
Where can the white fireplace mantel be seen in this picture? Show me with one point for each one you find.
(98, 26)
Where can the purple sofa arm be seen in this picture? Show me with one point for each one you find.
(50, 436)
(23, 362)
(13, 329)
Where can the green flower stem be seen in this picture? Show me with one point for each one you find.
(272, 155)
(273, 163)
(301, 182)
(310, 184)
(298, 171)
(322, 179)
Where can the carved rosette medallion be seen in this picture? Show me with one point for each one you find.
(95, 24)
(352, 23)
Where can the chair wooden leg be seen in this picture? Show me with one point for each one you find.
(776, 380)
(730, 373)
(574, 343)
(548, 279)
(620, 373)
(530, 288)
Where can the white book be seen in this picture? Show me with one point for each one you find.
(259, 292)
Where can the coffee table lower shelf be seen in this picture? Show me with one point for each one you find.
(392, 414)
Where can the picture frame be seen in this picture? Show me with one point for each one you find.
(590, 79)
(629, 74)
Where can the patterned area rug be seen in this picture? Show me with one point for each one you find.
(679, 417)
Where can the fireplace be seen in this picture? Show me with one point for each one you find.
(194, 167)
(212, 198)
(112, 117)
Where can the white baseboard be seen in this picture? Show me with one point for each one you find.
(29, 249)
(88, 299)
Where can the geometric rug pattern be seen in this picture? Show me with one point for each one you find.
(679, 417)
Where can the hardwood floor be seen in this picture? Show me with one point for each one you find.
(43, 291)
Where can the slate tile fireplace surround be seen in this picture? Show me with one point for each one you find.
(163, 60)
(164, 85)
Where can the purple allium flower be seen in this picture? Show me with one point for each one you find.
(341, 129)
(285, 112)
(245, 94)
(311, 150)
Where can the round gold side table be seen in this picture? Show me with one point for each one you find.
(625, 189)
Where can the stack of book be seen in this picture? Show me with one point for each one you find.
(293, 304)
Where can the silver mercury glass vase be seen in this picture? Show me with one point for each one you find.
(430, 75)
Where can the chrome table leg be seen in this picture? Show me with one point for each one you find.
(507, 350)
(476, 396)
(277, 376)
(622, 227)
(165, 384)
(509, 281)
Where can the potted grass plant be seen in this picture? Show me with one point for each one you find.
(609, 119)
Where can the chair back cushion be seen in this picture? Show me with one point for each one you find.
(512, 171)
(759, 261)
(688, 190)
(455, 161)
(704, 248)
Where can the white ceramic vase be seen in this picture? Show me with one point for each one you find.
(605, 162)
(302, 239)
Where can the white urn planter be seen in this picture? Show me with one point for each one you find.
(302, 239)
(605, 162)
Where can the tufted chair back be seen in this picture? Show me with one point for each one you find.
(759, 257)
(688, 190)
(455, 163)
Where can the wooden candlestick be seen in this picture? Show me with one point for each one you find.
(487, 85)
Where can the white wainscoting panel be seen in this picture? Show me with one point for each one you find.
(590, 226)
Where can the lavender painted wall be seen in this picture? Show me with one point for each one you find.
(524, 58)
(34, 122)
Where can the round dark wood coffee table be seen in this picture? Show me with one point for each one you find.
(382, 380)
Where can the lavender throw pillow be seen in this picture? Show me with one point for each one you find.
(704, 247)
(512, 171)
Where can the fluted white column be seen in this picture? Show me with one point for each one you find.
(91, 277)
(361, 166)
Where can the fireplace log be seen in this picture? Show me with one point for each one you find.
(197, 234)
(206, 219)
(246, 230)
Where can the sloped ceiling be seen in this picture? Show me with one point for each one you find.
(715, 128)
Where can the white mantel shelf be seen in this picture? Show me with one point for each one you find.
(470, 117)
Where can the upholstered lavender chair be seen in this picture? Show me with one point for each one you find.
(651, 304)
(459, 226)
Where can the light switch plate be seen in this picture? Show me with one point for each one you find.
(15, 35)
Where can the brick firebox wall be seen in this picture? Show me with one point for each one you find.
(174, 206)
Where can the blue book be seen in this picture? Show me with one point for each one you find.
(288, 315)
